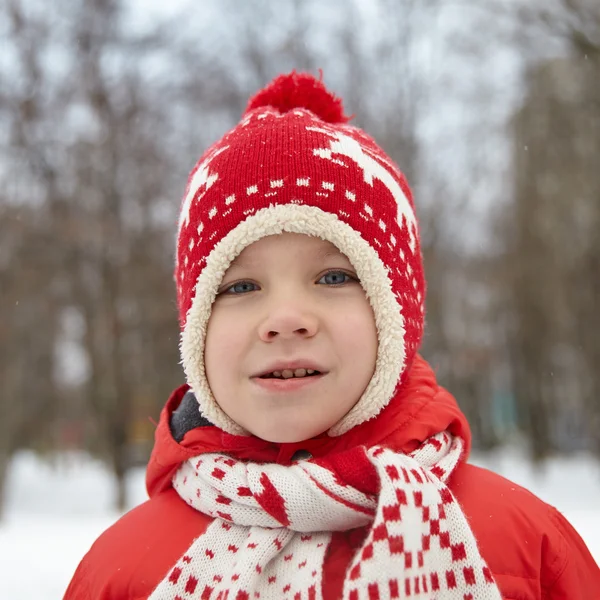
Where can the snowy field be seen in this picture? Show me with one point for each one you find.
(55, 512)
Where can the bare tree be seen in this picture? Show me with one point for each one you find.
(554, 249)
(104, 136)
(91, 148)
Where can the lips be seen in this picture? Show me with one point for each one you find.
(280, 385)
(289, 374)
(302, 367)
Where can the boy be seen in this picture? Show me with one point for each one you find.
(311, 454)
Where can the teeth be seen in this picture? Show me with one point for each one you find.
(289, 373)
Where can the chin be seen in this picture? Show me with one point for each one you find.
(277, 436)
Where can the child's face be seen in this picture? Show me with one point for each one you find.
(290, 300)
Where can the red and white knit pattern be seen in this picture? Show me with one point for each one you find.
(272, 524)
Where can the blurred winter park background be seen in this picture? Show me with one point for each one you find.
(491, 108)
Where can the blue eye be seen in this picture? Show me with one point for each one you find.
(336, 278)
(241, 287)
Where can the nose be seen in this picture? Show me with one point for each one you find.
(288, 320)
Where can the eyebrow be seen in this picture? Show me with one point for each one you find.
(325, 254)
(322, 254)
(238, 261)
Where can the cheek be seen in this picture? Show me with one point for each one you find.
(357, 335)
(221, 342)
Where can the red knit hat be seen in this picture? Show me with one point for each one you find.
(293, 164)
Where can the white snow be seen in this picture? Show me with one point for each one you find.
(55, 512)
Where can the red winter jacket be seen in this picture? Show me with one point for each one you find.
(530, 547)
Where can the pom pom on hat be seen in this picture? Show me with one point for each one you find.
(300, 90)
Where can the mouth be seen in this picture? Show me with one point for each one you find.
(290, 384)
(291, 369)
(291, 374)
(280, 377)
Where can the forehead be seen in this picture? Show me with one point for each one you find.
(293, 245)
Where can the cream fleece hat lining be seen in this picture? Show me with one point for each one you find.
(373, 276)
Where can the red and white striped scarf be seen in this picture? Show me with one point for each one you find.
(273, 524)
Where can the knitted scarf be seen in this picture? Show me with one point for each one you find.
(272, 527)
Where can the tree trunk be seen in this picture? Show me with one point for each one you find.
(120, 472)
(4, 464)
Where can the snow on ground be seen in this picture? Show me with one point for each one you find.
(55, 512)
(53, 515)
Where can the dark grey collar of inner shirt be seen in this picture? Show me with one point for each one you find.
(187, 416)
